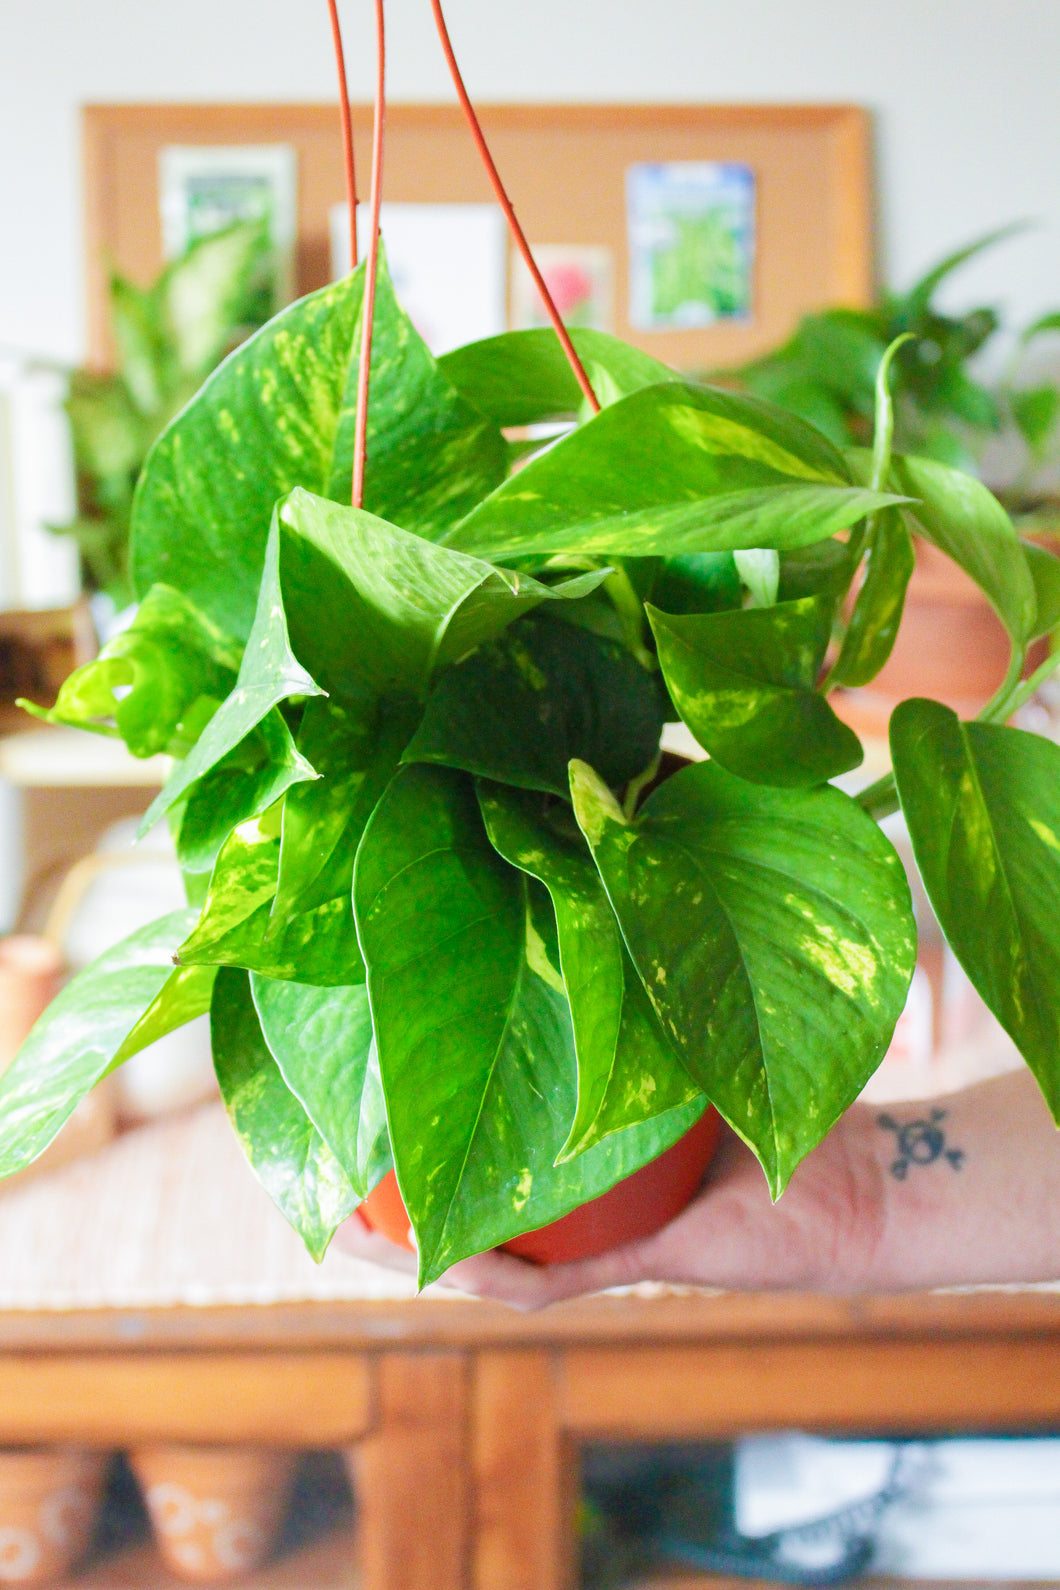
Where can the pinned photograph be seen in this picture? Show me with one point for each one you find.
(447, 263)
(581, 279)
(203, 190)
(691, 243)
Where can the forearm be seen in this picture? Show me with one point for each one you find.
(968, 1187)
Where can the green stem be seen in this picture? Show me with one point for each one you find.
(1001, 703)
(636, 785)
(880, 799)
(1028, 687)
(630, 610)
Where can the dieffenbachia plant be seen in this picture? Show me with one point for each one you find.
(439, 916)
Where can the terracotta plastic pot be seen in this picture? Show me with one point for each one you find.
(49, 1499)
(633, 1208)
(215, 1510)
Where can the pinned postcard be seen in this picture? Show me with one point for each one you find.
(691, 243)
(203, 190)
(447, 262)
(581, 279)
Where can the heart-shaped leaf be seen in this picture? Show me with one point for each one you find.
(520, 707)
(286, 1152)
(163, 675)
(375, 610)
(80, 1036)
(967, 522)
(323, 820)
(523, 377)
(280, 413)
(743, 682)
(983, 807)
(269, 673)
(244, 784)
(773, 932)
(671, 469)
(964, 520)
(873, 627)
(627, 1071)
(474, 1032)
(1045, 572)
(237, 926)
(321, 1039)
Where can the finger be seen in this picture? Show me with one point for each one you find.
(357, 1238)
(521, 1285)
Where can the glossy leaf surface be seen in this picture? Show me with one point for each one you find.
(1045, 572)
(983, 807)
(375, 610)
(520, 707)
(279, 413)
(321, 1039)
(79, 1036)
(245, 783)
(967, 522)
(773, 933)
(148, 680)
(743, 682)
(323, 820)
(476, 1050)
(269, 673)
(286, 1152)
(668, 470)
(184, 996)
(237, 926)
(523, 377)
(877, 613)
(627, 1071)
(431, 456)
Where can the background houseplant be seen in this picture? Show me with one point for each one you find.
(944, 409)
(168, 336)
(431, 921)
(1005, 431)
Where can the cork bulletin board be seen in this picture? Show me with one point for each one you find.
(587, 177)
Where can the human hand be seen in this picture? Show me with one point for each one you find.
(959, 1190)
(818, 1237)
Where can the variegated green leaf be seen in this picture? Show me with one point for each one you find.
(773, 932)
(983, 807)
(321, 1039)
(475, 1043)
(744, 683)
(85, 1031)
(269, 673)
(286, 1152)
(280, 413)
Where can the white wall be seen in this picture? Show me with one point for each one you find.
(965, 97)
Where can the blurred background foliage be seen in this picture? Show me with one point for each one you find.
(167, 338)
(826, 373)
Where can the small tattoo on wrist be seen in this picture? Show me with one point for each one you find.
(920, 1142)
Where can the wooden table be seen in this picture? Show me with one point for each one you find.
(467, 1418)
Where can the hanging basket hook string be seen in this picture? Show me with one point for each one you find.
(360, 444)
(347, 128)
(506, 205)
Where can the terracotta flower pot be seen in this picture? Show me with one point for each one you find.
(633, 1208)
(215, 1510)
(30, 973)
(49, 1499)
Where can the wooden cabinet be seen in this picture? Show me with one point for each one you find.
(467, 1418)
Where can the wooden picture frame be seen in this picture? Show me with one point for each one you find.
(565, 167)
